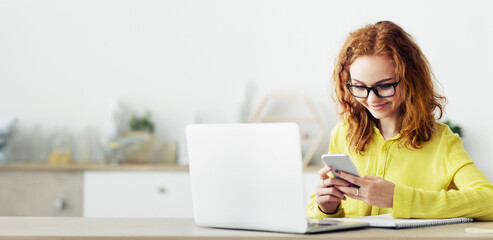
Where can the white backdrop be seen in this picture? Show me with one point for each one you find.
(61, 62)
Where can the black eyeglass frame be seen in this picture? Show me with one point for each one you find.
(374, 89)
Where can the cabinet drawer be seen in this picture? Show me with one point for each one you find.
(47, 193)
(137, 194)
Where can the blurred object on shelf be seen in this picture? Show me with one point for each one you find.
(166, 153)
(37, 144)
(29, 143)
(45, 143)
(118, 147)
(61, 148)
(141, 123)
(280, 107)
(119, 115)
(136, 145)
(141, 147)
(88, 146)
(124, 119)
(60, 158)
(240, 104)
(139, 152)
(6, 127)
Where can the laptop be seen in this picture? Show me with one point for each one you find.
(250, 176)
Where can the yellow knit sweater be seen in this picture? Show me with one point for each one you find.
(438, 181)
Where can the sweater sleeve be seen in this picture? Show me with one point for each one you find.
(471, 199)
(468, 195)
(313, 211)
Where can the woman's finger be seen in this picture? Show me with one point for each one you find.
(352, 192)
(352, 179)
(324, 172)
(336, 182)
(320, 200)
(330, 191)
(332, 182)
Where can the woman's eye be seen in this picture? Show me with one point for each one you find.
(385, 86)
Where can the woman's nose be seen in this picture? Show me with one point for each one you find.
(372, 97)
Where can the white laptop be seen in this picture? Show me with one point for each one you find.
(250, 176)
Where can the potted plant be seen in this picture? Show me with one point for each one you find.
(454, 127)
(139, 140)
(141, 123)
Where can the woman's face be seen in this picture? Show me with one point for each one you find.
(372, 71)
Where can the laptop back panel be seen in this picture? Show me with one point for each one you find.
(247, 176)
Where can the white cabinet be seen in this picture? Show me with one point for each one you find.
(165, 194)
(144, 194)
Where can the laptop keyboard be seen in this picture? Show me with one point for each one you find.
(321, 222)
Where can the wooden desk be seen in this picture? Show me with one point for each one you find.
(126, 228)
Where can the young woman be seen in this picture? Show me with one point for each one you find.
(411, 165)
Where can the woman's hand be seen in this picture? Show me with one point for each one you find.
(327, 196)
(373, 190)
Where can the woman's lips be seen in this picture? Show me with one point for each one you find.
(377, 107)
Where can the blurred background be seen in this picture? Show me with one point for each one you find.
(84, 81)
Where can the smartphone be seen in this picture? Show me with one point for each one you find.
(340, 162)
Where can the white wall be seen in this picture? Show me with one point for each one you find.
(61, 61)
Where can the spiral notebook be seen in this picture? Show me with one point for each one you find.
(387, 221)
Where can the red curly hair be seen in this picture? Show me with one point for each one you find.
(420, 100)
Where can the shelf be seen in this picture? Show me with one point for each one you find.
(91, 167)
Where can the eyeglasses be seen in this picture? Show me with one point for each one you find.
(382, 90)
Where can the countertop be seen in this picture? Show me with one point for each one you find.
(185, 228)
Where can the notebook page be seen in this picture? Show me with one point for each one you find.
(387, 221)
